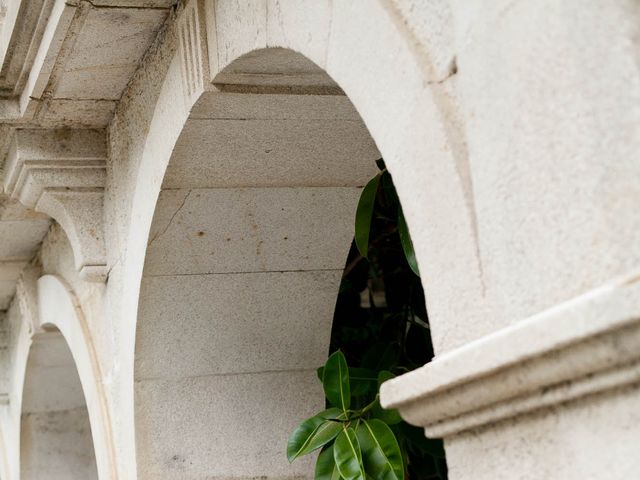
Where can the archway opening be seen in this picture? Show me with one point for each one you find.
(243, 265)
(380, 330)
(55, 433)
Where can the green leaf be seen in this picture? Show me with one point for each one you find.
(390, 417)
(347, 455)
(407, 244)
(332, 414)
(381, 453)
(335, 380)
(313, 433)
(364, 215)
(380, 164)
(415, 439)
(326, 468)
(383, 376)
(362, 380)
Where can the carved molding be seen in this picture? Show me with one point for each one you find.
(62, 173)
(192, 43)
(585, 346)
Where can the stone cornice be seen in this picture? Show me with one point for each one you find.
(20, 36)
(62, 173)
(584, 346)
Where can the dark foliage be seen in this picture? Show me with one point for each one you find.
(381, 321)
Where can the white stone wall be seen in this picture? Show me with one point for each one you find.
(511, 129)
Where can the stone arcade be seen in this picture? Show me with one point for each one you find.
(179, 181)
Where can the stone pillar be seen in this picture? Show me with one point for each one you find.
(550, 93)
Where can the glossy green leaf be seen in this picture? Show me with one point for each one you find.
(383, 376)
(326, 468)
(407, 244)
(388, 416)
(347, 455)
(335, 380)
(314, 433)
(362, 381)
(332, 414)
(364, 215)
(381, 453)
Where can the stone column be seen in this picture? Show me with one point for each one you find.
(550, 92)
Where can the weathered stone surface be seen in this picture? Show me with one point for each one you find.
(21, 232)
(272, 152)
(57, 445)
(251, 230)
(238, 323)
(55, 434)
(215, 206)
(235, 413)
(107, 52)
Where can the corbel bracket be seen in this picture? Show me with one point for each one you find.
(62, 173)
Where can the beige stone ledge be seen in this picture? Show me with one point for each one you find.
(584, 346)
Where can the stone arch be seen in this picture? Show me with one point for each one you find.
(63, 410)
(395, 96)
(55, 434)
(5, 467)
(12, 412)
(248, 243)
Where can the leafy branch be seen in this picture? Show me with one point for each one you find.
(356, 437)
(358, 443)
